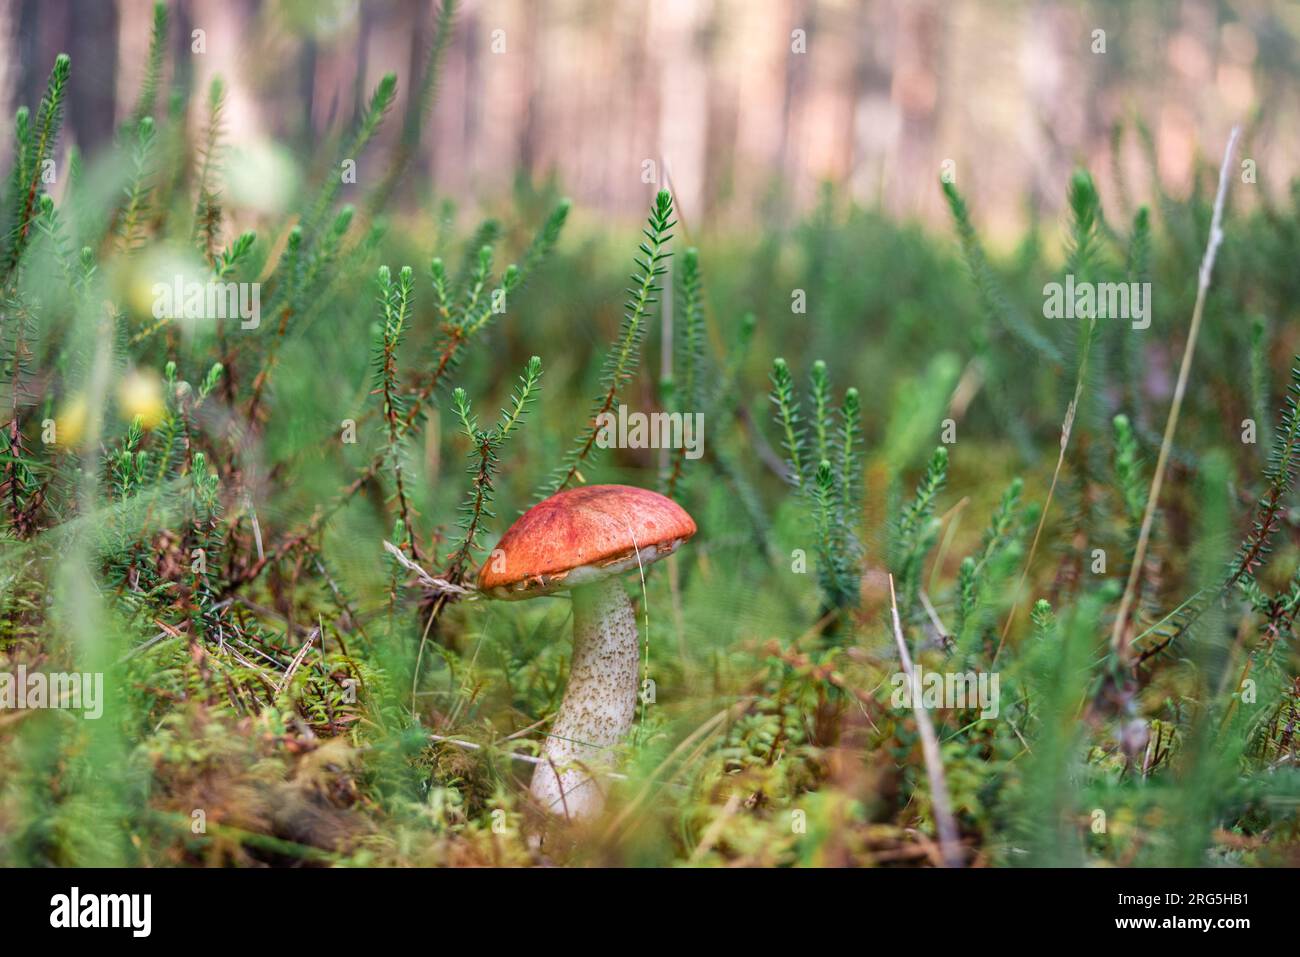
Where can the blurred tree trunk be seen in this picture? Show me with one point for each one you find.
(307, 91)
(365, 20)
(626, 189)
(916, 91)
(33, 20)
(870, 106)
(802, 16)
(180, 26)
(415, 14)
(721, 121)
(470, 117)
(526, 154)
(93, 48)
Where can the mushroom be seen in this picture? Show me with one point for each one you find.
(583, 540)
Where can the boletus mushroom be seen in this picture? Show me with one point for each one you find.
(583, 540)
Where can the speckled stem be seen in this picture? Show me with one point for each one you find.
(598, 705)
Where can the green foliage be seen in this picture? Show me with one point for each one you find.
(624, 356)
(418, 107)
(997, 308)
(691, 356)
(137, 192)
(1279, 475)
(381, 101)
(33, 150)
(985, 576)
(1085, 214)
(688, 394)
(1128, 471)
(916, 530)
(394, 311)
(207, 211)
(149, 86)
(831, 487)
(790, 422)
(485, 446)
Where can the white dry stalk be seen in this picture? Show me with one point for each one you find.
(1117, 638)
(940, 631)
(223, 645)
(714, 830)
(968, 386)
(437, 584)
(945, 824)
(141, 648)
(297, 661)
(257, 528)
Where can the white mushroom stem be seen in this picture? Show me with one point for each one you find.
(599, 702)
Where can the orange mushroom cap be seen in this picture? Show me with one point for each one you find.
(582, 535)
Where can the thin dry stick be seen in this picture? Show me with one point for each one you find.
(714, 830)
(440, 585)
(949, 842)
(257, 528)
(933, 615)
(1118, 641)
(949, 522)
(298, 659)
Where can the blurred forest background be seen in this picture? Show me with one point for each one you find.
(1011, 92)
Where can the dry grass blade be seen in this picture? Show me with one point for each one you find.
(949, 841)
(298, 659)
(702, 732)
(437, 584)
(1118, 640)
